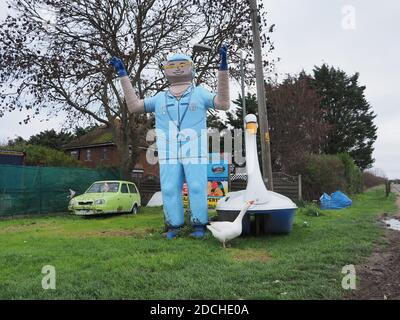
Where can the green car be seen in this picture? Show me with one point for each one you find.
(107, 197)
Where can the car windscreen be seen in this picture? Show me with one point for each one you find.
(103, 187)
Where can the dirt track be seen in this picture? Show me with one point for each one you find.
(379, 277)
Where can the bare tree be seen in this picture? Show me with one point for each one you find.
(297, 125)
(54, 55)
(295, 121)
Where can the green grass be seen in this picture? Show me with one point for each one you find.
(125, 257)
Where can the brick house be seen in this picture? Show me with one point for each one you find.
(97, 149)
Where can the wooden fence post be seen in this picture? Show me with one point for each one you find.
(300, 190)
(387, 188)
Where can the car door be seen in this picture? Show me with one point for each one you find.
(134, 194)
(113, 197)
(126, 202)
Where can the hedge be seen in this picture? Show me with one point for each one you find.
(328, 173)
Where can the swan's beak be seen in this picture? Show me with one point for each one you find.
(251, 127)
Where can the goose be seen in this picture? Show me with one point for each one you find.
(225, 231)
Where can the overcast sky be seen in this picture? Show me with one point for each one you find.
(355, 35)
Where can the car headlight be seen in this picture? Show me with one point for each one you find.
(99, 201)
(72, 202)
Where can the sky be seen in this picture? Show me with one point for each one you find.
(354, 35)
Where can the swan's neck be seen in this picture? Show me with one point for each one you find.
(254, 176)
(255, 185)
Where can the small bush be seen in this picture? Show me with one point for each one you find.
(312, 209)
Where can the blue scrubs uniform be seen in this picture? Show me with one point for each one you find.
(181, 132)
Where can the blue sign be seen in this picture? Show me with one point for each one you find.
(217, 170)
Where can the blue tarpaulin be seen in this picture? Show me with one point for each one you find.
(337, 200)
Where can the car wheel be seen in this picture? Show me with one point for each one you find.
(135, 209)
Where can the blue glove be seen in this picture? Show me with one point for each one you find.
(119, 66)
(224, 62)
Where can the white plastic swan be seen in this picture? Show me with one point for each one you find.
(225, 231)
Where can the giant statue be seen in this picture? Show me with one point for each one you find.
(181, 135)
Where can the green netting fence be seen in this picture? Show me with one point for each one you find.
(36, 190)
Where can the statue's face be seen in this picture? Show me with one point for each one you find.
(178, 71)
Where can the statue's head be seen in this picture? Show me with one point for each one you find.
(179, 68)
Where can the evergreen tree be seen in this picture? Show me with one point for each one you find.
(235, 117)
(81, 131)
(348, 114)
(51, 139)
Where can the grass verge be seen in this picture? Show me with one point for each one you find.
(125, 257)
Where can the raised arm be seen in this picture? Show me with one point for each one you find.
(222, 101)
(133, 103)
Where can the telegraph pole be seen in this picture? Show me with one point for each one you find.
(262, 108)
(242, 86)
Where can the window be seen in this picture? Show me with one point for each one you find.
(124, 188)
(137, 174)
(104, 154)
(132, 188)
(103, 187)
(88, 155)
(75, 154)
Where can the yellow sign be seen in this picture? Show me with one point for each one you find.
(216, 190)
(267, 139)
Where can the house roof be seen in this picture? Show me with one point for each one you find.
(97, 137)
(4, 152)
